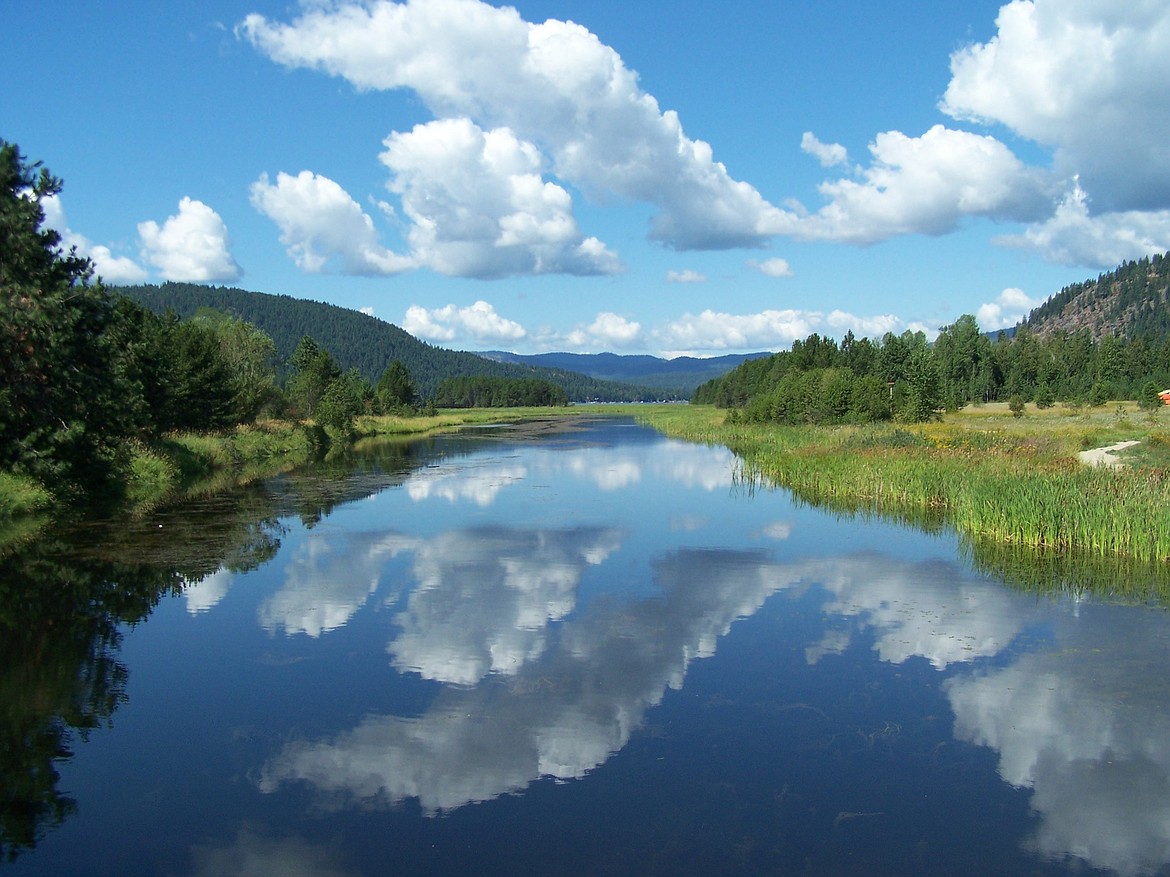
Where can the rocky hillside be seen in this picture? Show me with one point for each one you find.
(1130, 301)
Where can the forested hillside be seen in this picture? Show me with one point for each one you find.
(682, 374)
(357, 340)
(1130, 301)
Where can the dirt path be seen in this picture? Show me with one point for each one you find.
(1105, 456)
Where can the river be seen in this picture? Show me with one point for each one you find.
(586, 649)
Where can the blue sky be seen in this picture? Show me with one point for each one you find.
(657, 177)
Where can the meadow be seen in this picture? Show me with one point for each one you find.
(995, 478)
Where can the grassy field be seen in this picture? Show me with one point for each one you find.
(1005, 483)
(994, 477)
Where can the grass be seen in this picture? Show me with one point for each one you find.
(453, 418)
(993, 477)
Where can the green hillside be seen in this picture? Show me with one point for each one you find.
(357, 340)
(682, 375)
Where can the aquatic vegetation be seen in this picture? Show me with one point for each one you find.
(1020, 486)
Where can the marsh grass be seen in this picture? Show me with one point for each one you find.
(20, 495)
(991, 479)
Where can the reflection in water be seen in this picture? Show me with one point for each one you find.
(480, 486)
(486, 620)
(254, 855)
(559, 715)
(485, 598)
(930, 610)
(1087, 733)
(328, 580)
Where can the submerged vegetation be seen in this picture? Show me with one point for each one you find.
(998, 480)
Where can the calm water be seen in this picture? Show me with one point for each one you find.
(589, 652)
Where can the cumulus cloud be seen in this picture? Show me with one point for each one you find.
(554, 84)
(1009, 308)
(479, 322)
(191, 246)
(685, 276)
(925, 185)
(107, 266)
(1073, 237)
(1087, 79)
(607, 331)
(766, 330)
(874, 326)
(773, 267)
(479, 206)
(320, 222)
(828, 154)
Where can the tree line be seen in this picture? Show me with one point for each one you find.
(85, 373)
(907, 378)
(487, 392)
(360, 341)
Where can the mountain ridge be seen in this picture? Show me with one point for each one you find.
(369, 344)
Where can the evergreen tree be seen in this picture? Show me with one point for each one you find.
(62, 400)
(395, 389)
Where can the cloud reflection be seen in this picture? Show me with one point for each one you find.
(559, 715)
(1084, 726)
(934, 610)
(456, 483)
(252, 854)
(485, 598)
(330, 577)
(205, 594)
(609, 469)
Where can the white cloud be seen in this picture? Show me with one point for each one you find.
(553, 84)
(766, 330)
(1009, 308)
(609, 329)
(925, 185)
(478, 321)
(193, 245)
(319, 221)
(368, 310)
(107, 266)
(1087, 79)
(773, 267)
(685, 276)
(1073, 237)
(865, 327)
(828, 154)
(479, 206)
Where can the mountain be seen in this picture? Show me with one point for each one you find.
(1130, 301)
(357, 340)
(682, 374)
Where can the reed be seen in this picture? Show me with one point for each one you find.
(1016, 487)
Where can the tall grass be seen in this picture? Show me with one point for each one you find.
(1022, 486)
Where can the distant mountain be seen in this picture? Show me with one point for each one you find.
(357, 340)
(682, 374)
(1130, 301)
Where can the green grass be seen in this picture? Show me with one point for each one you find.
(20, 495)
(992, 477)
(448, 419)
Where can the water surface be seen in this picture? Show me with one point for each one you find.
(589, 651)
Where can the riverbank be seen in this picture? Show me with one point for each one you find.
(991, 476)
(187, 465)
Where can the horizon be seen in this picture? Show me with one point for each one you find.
(593, 177)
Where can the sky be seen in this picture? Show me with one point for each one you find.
(659, 177)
